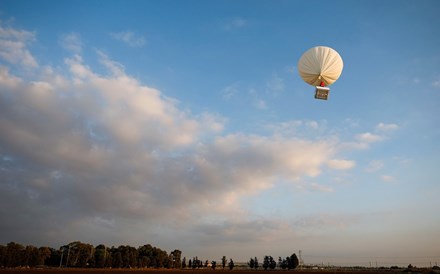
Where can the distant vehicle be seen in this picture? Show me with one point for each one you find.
(320, 67)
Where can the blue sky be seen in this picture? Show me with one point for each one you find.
(185, 124)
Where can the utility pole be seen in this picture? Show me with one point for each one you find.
(300, 260)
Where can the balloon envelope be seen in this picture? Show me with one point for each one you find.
(320, 64)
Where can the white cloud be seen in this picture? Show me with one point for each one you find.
(317, 221)
(253, 97)
(257, 102)
(215, 123)
(275, 84)
(130, 38)
(386, 127)
(364, 140)
(290, 69)
(77, 69)
(388, 179)
(374, 166)
(72, 42)
(230, 91)
(436, 83)
(7, 80)
(108, 151)
(321, 188)
(121, 149)
(260, 104)
(14, 34)
(308, 128)
(235, 23)
(341, 164)
(114, 67)
(286, 127)
(351, 122)
(13, 47)
(368, 137)
(402, 160)
(312, 124)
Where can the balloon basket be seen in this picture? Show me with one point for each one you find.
(321, 92)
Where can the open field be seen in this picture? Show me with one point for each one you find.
(205, 271)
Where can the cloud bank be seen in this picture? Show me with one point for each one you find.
(94, 157)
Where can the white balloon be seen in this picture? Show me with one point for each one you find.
(320, 65)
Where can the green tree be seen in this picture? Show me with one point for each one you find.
(160, 258)
(224, 262)
(77, 254)
(213, 264)
(14, 254)
(145, 254)
(251, 263)
(269, 262)
(175, 261)
(144, 261)
(266, 262)
(55, 257)
(282, 263)
(256, 263)
(184, 262)
(293, 262)
(2, 255)
(44, 254)
(129, 256)
(272, 263)
(117, 258)
(100, 256)
(31, 256)
(133, 256)
(231, 264)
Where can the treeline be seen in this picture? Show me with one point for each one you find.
(78, 254)
(196, 263)
(290, 262)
